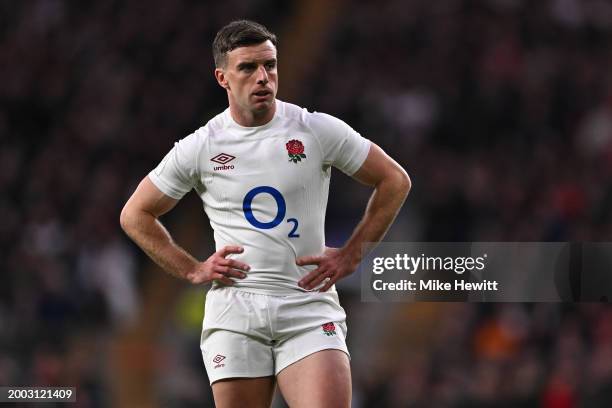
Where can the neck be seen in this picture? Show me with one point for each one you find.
(248, 118)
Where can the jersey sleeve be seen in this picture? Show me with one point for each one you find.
(342, 146)
(177, 173)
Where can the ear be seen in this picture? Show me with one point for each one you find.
(221, 79)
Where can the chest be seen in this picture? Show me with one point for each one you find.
(286, 162)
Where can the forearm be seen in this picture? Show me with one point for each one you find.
(151, 236)
(383, 206)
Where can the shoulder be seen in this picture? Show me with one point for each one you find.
(189, 149)
(290, 112)
(201, 136)
(318, 122)
(214, 126)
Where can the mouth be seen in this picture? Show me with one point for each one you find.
(262, 93)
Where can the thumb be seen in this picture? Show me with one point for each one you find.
(308, 260)
(230, 249)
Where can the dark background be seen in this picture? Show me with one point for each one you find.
(500, 110)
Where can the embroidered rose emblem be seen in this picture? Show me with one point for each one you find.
(295, 150)
(329, 329)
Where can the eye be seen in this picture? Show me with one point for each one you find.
(270, 65)
(246, 67)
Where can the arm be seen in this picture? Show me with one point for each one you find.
(139, 219)
(391, 186)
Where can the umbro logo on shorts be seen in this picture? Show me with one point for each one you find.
(223, 159)
(329, 329)
(218, 359)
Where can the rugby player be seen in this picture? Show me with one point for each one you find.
(262, 169)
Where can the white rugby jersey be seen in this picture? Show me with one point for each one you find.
(265, 188)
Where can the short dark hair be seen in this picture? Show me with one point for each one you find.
(239, 33)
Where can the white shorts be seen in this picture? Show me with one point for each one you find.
(254, 335)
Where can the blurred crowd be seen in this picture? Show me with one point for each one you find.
(495, 355)
(500, 110)
(92, 95)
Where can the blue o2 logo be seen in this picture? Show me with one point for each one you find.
(281, 205)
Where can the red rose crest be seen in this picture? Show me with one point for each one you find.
(295, 149)
(329, 329)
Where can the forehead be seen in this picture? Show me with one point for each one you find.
(259, 52)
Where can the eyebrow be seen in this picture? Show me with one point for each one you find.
(251, 64)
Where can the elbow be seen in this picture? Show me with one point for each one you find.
(404, 182)
(125, 219)
(396, 183)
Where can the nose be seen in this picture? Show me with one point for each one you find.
(262, 76)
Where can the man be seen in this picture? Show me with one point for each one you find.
(262, 169)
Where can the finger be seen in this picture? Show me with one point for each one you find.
(230, 249)
(235, 273)
(305, 281)
(318, 280)
(222, 270)
(328, 284)
(224, 280)
(227, 271)
(309, 260)
(232, 263)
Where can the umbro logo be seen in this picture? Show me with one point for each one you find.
(218, 359)
(223, 159)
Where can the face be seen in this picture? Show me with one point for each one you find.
(250, 78)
